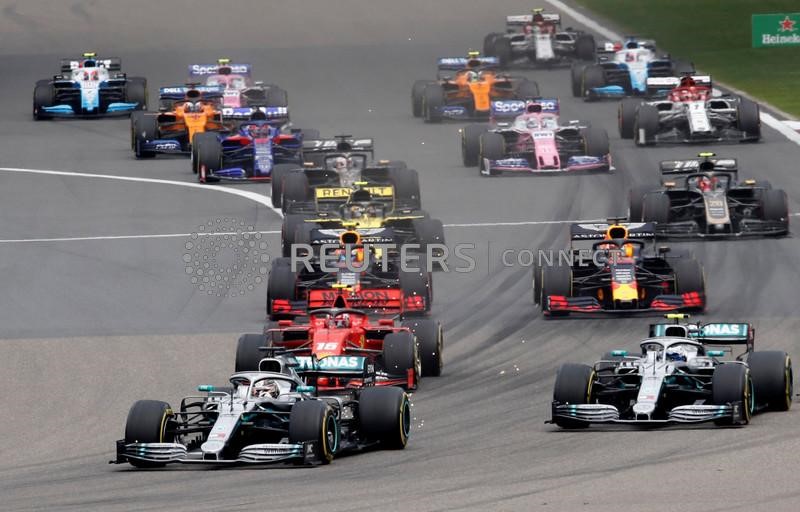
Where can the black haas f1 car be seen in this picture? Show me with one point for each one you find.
(89, 87)
(687, 110)
(703, 198)
(374, 218)
(533, 141)
(353, 272)
(468, 93)
(612, 269)
(402, 351)
(679, 377)
(537, 39)
(274, 414)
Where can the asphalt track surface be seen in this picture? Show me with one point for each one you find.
(87, 327)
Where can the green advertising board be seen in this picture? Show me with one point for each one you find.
(770, 30)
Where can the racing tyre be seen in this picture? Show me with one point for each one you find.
(42, 97)
(147, 423)
(636, 197)
(432, 100)
(689, 276)
(732, 383)
(471, 143)
(385, 416)
(626, 117)
(249, 353)
(655, 208)
(502, 50)
(492, 147)
(488, 44)
(585, 47)
(537, 282)
(281, 284)
(417, 92)
(277, 97)
(556, 281)
(593, 76)
(773, 379)
(146, 127)
(295, 190)
(527, 90)
(406, 186)
(748, 118)
(291, 223)
(576, 78)
(314, 421)
(135, 116)
(399, 354)
(429, 232)
(595, 142)
(645, 125)
(775, 206)
(682, 67)
(573, 386)
(416, 284)
(430, 342)
(278, 175)
(136, 92)
(207, 156)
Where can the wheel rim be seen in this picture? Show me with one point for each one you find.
(789, 384)
(330, 436)
(405, 420)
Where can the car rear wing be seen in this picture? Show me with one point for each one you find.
(179, 92)
(598, 231)
(110, 63)
(715, 333)
(505, 109)
(271, 113)
(324, 194)
(693, 165)
(661, 85)
(202, 70)
(368, 236)
(459, 63)
(339, 144)
(527, 19)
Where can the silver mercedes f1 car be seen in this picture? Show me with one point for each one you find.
(679, 377)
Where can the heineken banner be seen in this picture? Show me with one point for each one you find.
(776, 30)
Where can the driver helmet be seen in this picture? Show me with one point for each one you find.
(532, 123)
(192, 106)
(340, 164)
(356, 211)
(687, 81)
(266, 388)
(706, 183)
(680, 353)
(343, 320)
(472, 76)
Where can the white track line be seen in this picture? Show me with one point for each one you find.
(126, 237)
(247, 194)
(766, 118)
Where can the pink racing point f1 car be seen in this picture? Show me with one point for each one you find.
(527, 137)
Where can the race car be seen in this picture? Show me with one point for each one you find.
(622, 69)
(679, 377)
(612, 269)
(703, 197)
(89, 87)
(690, 112)
(239, 88)
(325, 188)
(196, 109)
(535, 142)
(359, 270)
(469, 93)
(251, 152)
(402, 352)
(537, 39)
(273, 415)
(362, 213)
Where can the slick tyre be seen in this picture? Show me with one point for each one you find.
(626, 117)
(655, 208)
(281, 284)
(432, 100)
(385, 416)
(689, 278)
(430, 342)
(417, 96)
(576, 79)
(289, 228)
(636, 197)
(314, 421)
(527, 90)
(296, 190)
(585, 47)
(399, 354)
(492, 147)
(146, 129)
(43, 95)
(748, 119)
(773, 379)
(278, 175)
(136, 92)
(406, 187)
(593, 77)
(595, 142)
(207, 156)
(775, 205)
(732, 383)
(471, 143)
(416, 284)
(573, 386)
(556, 281)
(645, 125)
(148, 422)
(249, 353)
